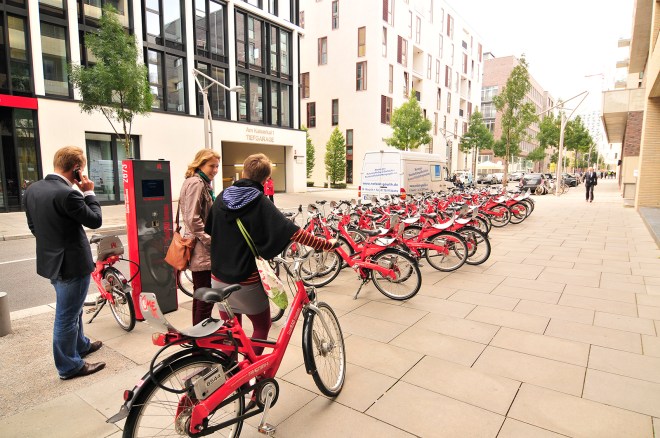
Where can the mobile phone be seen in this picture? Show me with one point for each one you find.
(77, 175)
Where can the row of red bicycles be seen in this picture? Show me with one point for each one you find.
(385, 238)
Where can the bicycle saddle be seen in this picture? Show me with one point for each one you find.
(210, 295)
(377, 232)
(429, 215)
(95, 238)
(321, 202)
(288, 214)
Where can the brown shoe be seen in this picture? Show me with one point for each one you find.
(94, 346)
(86, 370)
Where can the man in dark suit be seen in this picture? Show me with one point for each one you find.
(590, 180)
(56, 212)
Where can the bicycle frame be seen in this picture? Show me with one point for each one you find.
(97, 276)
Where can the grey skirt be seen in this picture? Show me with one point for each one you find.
(249, 300)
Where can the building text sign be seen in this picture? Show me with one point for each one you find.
(260, 135)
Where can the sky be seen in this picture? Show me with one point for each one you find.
(563, 41)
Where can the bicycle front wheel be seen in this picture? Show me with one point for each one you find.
(321, 268)
(478, 245)
(157, 412)
(452, 254)
(122, 307)
(184, 282)
(408, 277)
(502, 216)
(518, 212)
(324, 351)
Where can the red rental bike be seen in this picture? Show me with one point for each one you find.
(201, 388)
(113, 287)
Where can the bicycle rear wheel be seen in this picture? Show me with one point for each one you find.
(478, 245)
(122, 307)
(323, 350)
(502, 217)
(157, 412)
(184, 282)
(453, 256)
(408, 276)
(518, 213)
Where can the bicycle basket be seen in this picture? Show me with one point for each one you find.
(109, 246)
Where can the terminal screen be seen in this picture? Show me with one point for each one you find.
(153, 188)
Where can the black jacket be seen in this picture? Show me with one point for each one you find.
(55, 214)
(590, 179)
(231, 258)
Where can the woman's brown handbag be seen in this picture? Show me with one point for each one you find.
(180, 250)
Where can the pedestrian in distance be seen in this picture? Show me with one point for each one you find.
(269, 189)
(56, 213)
(195, 202)
(590, 181)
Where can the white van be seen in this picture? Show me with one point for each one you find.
(394, 172)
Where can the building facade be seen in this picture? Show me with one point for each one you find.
(252, 43)
(631, 115)
(362, 59)
(496, 73)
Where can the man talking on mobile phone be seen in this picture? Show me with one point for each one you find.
(56, 212)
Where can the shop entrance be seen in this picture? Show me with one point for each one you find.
(19, 160)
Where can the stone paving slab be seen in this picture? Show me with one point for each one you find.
(555, 335)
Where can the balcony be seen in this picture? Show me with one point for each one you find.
(619, 84)
(624, 63)
(616, 106)
(624, 42)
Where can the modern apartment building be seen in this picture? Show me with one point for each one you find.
(496, 73)
(252, 43)
(631, 115)
(362, 59)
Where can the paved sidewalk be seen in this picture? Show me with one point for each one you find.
(555, 335)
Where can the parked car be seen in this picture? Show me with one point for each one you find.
(569, 180)
(531, 181)
(548, 176)
(482, 177)
(515, 176)
(465, 177)
(497, 178)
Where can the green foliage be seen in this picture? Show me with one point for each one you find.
(477, 137)
(548, 135)
(566, 159)
(117, 85)
(538, 154)
(576, 136)
(517, 114)
(310, 153)
(335, 156)
(409, 127)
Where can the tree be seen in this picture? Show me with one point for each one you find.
(516, 115)
(310, 153)
(335, 156)
(477, 137)
(537, 155)
(409, 127)
(117, 85)
(576, 136)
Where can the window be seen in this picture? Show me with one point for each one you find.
(323, 51)
(55, 59)
(361, 76)
(450, 26)
(440, 42)
(410, 26)
(304, 85)
(249, 50)
(448, 74)
(487, 93)
(210, 30)
(217, 96)
(17, 79)
(488, 110)
(155, 72)
(335, 112)
(437, 71)
(384, 48)
(388, 11)
(176, 90)
(435, 123)
(451, 54)
(385, 110)
(405, 84)
(349, 156)
(390, 87)
(448, 102)
(349, 142)
(311, 115)
(362, 42)
(105, 153)
(455, 128)
(335, 14)
(480, 52)
(429, 66)
(301, 19)
(402, 51)
(164, 26)
(465, 63)
(438, 99)
(418, 30)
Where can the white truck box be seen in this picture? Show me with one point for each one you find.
(394, 172)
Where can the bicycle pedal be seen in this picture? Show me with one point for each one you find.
(267, 429)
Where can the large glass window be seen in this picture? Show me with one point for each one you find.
(210, 29)
(19, 63)
(55, 59)
(155, 65)
(256, 100)
(361, 76)
(176, 90)
(172, 21)
(93, 9)
(152, 17)
(105, 153)
(285, 105)
(164, 24)
(217, 96)
(254, 43)
(323, 51)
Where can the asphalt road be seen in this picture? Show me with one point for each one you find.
(18, 276)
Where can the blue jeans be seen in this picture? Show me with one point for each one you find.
(69, 340)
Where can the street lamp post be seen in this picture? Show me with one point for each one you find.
(208, 125)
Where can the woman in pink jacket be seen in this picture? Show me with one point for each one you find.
(195, 202)
(269, 189)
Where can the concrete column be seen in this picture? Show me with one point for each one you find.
(5, 321)
(188, 22)
(74, 40)
(231, 56)
(35, 38)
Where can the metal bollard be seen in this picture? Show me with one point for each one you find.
(5, 321)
